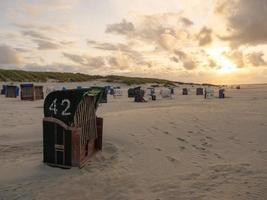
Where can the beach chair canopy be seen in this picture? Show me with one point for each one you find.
(63, 104)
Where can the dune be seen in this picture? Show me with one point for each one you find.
(183, 148)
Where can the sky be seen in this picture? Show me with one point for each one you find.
(211, 41)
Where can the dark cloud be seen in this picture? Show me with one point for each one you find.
(9, 55)
(22, 49)
(186, 21)
(46, 45)
(108, 46)
(246, 21)
(67, 43)
(180, 54)
(256, 59)
(187, 60)
(75, 58)
(120, 62)
(189, 65)
(86, 60)
(204, 37)
(153, 27)
(43, 42)
(212, 63)
(113, 61)
(96, 62)
(35, 34)
(27, 26)
(174, 59)
(123, 27)
(123, 48)
(161, 29)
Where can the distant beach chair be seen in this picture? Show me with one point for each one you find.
(3, 90)
(166, 93)
(139, 95)
(130, 92)
(185, 91)
(31, 92)
(209, 92)
(151, 93)
(12, 91)
(199, 91)
(221, 93)
(117, 92)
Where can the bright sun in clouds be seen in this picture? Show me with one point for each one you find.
(226, 66)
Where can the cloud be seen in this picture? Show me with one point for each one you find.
(236, 57)
(95, 62)
(189, 65)
(174, 59)
(256, 59)
(9, 55)
(167, 41)
(41, 27)
(188, 61)
(67, 43)
(119, 48)
(212, 63)
(204, 36)
(58, 67)
(46, 45)
(123, 27)
(160, 29)
(75, 58)
(43, 42)
(182, 55)
(186, 21)
(121, 62)
(246, 21)
(35, 34)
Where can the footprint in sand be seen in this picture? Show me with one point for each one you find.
(158, 149)
(208, 137)
(181, 139)
(190, 131)
(199, 148)
(182, 148)
(217, 156)
(155, 128)
(171, 159)
(166, 132)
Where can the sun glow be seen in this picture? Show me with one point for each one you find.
(225, 65)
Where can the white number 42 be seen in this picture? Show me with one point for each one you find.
(64, 102)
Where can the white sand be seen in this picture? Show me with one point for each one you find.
(184, 148)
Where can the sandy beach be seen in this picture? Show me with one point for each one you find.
(183, 148)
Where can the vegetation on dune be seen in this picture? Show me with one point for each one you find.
(30, 76)
(136, 80)
(23, 76)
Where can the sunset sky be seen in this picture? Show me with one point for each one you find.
(216, 41)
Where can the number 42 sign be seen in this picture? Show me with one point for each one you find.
(65, 103)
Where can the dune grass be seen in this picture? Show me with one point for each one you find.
(30, 76)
